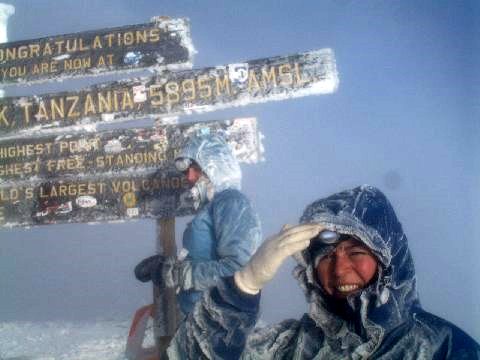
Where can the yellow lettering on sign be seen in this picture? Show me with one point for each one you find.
(188, 88)
(72, 112)
(269, 77)
(204, 87)
(298, 77)
(57, 109)
(223, 84)
(3, 116)
(155, 94)
(89, 106)
(14, 71)
(81, 45)
(171, 88)
(11, 54)
(285, 74)
(9, 195)
(42, 112)
(97, 43)
(62, 190)
(63, 164)
(44, 67)
(128, 38)
(100, 61)
(26, 108)
(34, 50)
(35, 69)
(22, 52)
(141, 36)
(59, 44)
(252, 81)
(154, 35)
(77, 64)
(29, 193)
(71, 45)
(109, 38)
(127, 100)
(20, 169)
(104, 102)
(47, 50)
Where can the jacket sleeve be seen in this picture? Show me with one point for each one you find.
(218, 326)
(237, 232)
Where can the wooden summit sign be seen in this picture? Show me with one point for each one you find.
(164, 43)
(106, 176)
(201, 90)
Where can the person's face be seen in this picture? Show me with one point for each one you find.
(192, 174)
(347, 269)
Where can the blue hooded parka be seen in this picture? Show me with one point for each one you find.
(386, 320)
(226, 231)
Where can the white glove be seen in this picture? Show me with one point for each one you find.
(272, 253)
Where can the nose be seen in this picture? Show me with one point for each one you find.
(190, 176)
(342, 265)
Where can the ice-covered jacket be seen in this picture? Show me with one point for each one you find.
(386, 319)
(225, 232)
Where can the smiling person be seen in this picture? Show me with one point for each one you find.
(358, 276)
(225, 231)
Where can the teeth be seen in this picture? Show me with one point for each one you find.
(347, 288)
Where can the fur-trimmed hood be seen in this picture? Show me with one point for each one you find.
(365, 213)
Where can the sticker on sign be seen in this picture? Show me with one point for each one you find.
(86, 201)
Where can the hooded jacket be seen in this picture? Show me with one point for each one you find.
(386, 319)
(225, 232)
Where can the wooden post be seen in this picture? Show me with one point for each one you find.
(165, 301)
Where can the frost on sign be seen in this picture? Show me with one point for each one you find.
(200, 90)
(112, 175)
(164, 44)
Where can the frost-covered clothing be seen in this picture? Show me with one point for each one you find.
(225, 232)
(385, 319)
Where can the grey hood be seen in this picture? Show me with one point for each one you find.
(365, 213)
(215, 158)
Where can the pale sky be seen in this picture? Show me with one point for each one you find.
(404, 119)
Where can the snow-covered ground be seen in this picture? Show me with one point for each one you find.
(103, 340)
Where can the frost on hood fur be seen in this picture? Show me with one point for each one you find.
(365, 213)
(215, 158)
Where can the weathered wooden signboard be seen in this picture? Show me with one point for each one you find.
(106, 176)
(163, 44)
(188, 91)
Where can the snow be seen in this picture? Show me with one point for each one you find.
(57, 340)
(5, 11)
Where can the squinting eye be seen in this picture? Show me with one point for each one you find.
(355, 253)
(328, 256)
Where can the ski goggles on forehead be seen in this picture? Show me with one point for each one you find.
(327, 237)
(182, 164)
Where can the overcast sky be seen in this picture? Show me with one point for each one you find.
(404, 119)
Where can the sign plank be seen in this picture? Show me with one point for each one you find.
(164, 43)
(115, 151)
(115, 193)
(176, 93)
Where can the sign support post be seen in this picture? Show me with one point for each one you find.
(165, 302)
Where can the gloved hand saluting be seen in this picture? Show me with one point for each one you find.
(162, 270)
(272, 253)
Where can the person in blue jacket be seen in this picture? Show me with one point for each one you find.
(224, 233)
(358, 276)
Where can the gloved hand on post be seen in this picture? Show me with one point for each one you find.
(161, 270)
(272, 253)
